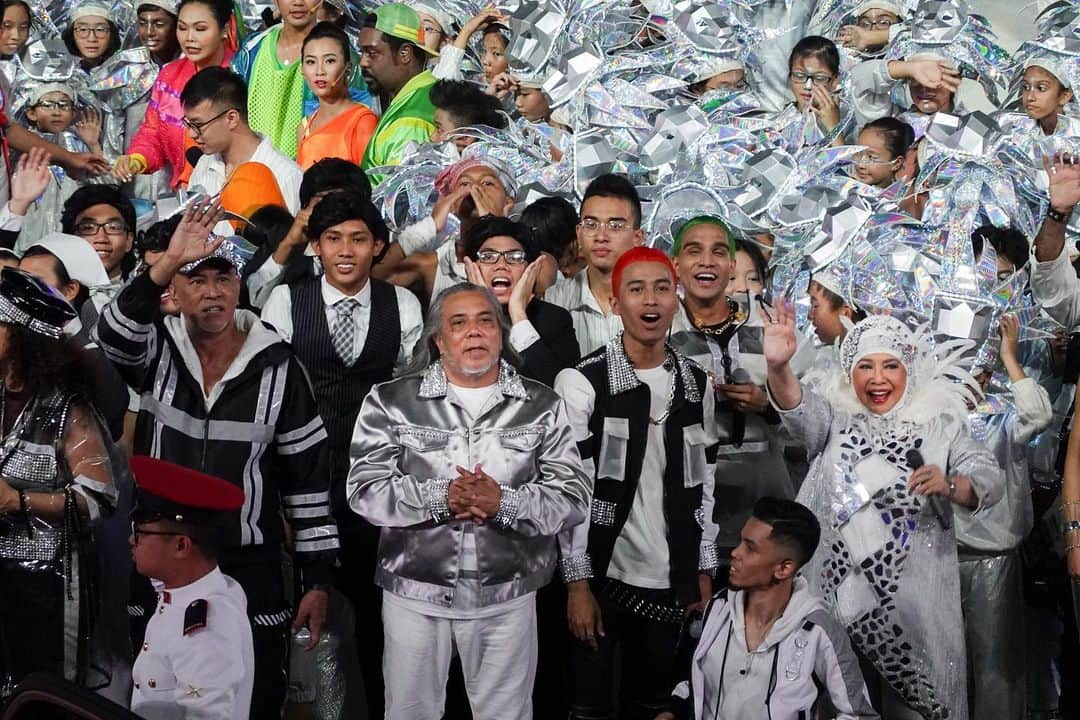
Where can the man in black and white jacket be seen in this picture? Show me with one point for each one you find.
(222, 393)
(768, 648)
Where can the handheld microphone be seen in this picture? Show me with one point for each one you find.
(740, 376)
(915, 461)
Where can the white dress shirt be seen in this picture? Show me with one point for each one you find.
(594, 329)
(278, 312)
(209, 173)
(204, 671)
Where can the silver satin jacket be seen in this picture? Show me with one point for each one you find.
(408, 441)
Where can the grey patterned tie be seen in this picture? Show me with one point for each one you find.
(343, 333)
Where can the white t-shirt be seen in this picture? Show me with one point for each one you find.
(640, 557)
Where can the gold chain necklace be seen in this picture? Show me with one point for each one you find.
(735, 314)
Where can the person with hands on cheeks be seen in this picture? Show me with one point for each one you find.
(230, 362)
(870, 33)
(814, 80)
(429, 255)
(501, 255)
(932, 84)
(465, 543)
(769, 619)
(894, 423)
(643, 416)
(712, 330)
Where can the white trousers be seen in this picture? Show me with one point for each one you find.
(498, 659)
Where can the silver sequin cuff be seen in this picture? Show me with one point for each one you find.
(708, 558)
(436, 495)
(508, 506)
(578, 567)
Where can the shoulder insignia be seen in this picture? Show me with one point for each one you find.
(195, 616)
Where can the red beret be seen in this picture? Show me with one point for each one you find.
(636, 255)
(179, 493)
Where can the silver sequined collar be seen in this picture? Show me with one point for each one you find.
(434, 383)
(621, 375)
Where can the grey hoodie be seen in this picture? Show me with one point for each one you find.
(805, 649)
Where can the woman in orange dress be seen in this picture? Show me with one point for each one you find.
(340, 127)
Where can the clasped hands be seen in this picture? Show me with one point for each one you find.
(473, 495)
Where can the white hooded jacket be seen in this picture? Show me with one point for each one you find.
(806, 649)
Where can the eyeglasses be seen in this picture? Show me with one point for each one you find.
(85, 31)
(881, 24)
(55, 104)
(490, 257)
(137, 532)
(592, 225)
(197, 127)
(89, 228)
(819, 79)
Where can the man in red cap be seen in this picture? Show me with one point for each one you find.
(643, 418)
(198, 659)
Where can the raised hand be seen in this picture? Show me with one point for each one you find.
(823, 104)
(446, 205)
(482, 19)
(933, 74)
(32, 176)
(524, 289)
(88, 128)
(194, 237)
(472, 272)
(780, 339)
(1064, 173)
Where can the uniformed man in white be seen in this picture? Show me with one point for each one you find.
(198, 659)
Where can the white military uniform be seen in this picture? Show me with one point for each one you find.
(198, 660)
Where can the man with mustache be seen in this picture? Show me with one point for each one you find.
(393, 57)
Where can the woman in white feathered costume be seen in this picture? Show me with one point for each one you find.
(887, 563)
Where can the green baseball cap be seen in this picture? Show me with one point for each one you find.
(401, 21)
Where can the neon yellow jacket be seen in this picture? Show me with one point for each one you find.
(410, 117)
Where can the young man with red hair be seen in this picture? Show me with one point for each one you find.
(643, 418)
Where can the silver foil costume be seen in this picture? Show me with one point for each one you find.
(409, 440)
(887, 562)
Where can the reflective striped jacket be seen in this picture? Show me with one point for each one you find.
(258, 428)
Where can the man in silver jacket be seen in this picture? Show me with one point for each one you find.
(470, 470)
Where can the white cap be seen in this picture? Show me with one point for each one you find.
(1051, 66)
(883, 5)
(45, 88)
(168, 6)
(722, 66)
(91, 8)
(431, 8)
(77, 256)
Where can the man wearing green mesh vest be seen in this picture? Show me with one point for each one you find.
(392, 60)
